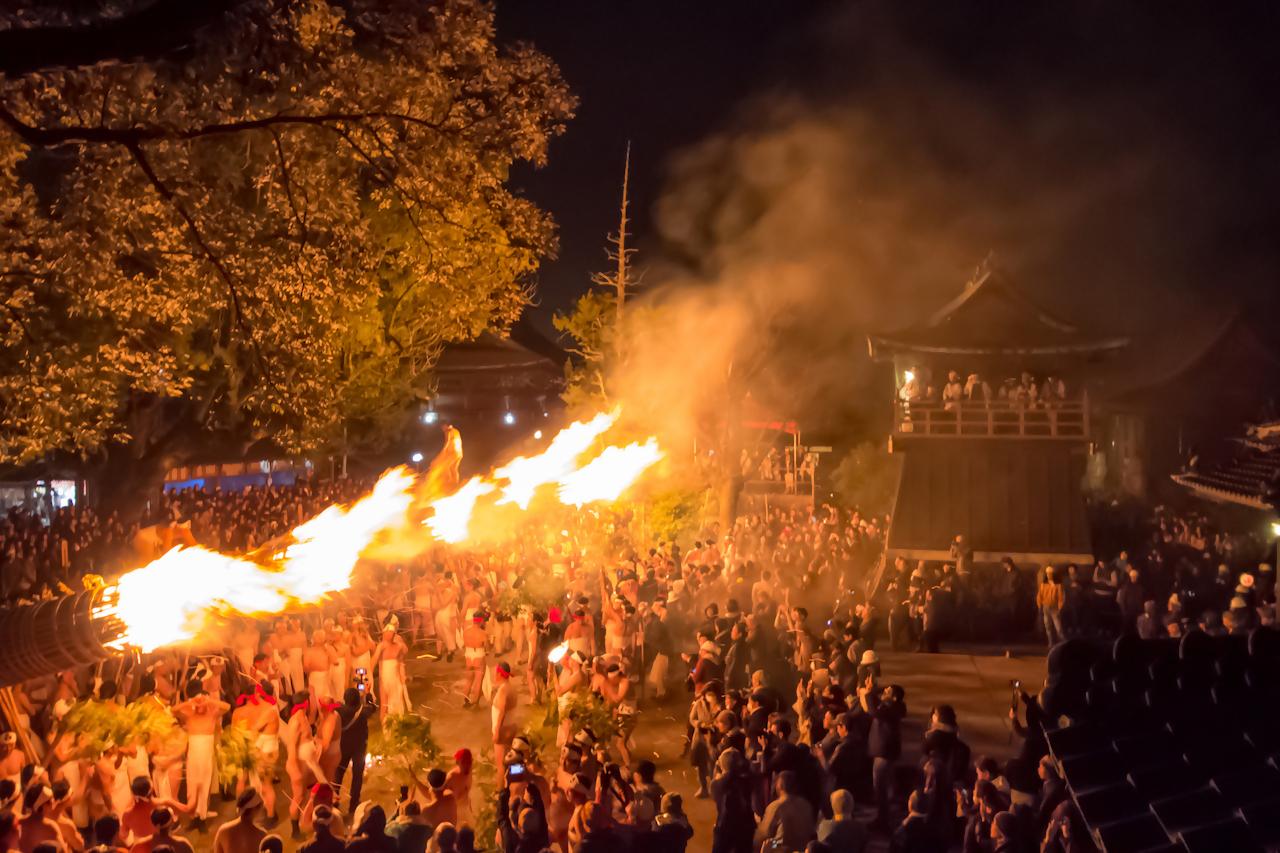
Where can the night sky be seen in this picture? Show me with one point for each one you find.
(659, 74)
(1190, 88)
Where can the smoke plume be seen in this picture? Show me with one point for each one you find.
(866, 199)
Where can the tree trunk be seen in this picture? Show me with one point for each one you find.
(127, 479)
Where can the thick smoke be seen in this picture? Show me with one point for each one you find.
(813, 218)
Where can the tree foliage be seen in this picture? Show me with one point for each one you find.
(272, 235)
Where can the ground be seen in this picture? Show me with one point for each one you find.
(976, 683)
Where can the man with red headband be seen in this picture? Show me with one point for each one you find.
(475, 643)
(264, 721)
(458, 781)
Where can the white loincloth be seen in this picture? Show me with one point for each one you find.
(339, 678)
(291, 667)
(393, 692)
(268, 746)
(200, 771)
(318, 684)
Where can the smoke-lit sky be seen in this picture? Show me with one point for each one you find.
(1123, 156)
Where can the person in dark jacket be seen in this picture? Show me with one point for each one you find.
(915, 835)
(849, 760)
(737, 675)
(357, 707)
(735, 821)
(884, 742)
(671, 826)
(371, 836)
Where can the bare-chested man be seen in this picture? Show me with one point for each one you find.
(201, 717)
(503, 710)
(241, 835)
(340, 665)
(12, 759)
(328, 739)
(255, 714)
(245, 643)
(446, 604)
(292, 645)
(475, 649)
(571, 681)
(316, 663)
(362, 646)
(299, 756)
(36, 827)
(389, 656)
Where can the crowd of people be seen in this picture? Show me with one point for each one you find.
(1024, 391)
(41, 547)
(791, 466)
(794, 727)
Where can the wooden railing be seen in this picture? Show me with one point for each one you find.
(993, 419)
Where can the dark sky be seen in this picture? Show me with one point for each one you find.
(660, 74)
(1191, 86)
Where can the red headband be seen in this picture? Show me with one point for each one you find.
(503, 670)
(296, 708)
(262, 695)
(246, 697)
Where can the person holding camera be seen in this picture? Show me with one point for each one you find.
(353, 715)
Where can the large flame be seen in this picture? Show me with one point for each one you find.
(452, 520)
(170, 600)
(525, 474)
(610, 474)
(173, 599)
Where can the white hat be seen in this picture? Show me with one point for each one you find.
(1238, 603)
(869, 657)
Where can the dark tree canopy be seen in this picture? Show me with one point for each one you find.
(271, 234)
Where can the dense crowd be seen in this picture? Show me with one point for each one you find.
(42, 548)
(792, 722)
(1023, 391)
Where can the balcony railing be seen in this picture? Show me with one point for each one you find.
(993, 419)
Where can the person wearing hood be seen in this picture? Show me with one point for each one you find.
(371, 835)
(915, 834)
(671, 826)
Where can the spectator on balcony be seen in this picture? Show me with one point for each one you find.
(952, 392)
(1130, 598)
(1053, 391)
(976, 390)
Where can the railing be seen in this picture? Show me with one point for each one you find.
(992, 419)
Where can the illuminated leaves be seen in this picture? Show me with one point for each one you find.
(277, 233)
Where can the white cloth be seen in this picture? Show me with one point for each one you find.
(292, 670)
(318, 684)
(339, 678)
(199, 772)
(394, 693)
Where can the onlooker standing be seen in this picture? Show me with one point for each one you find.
(842, 832)
(1049, 599)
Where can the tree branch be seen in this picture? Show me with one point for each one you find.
(62, 134)
(156, 30)
(167, 194)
